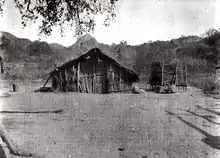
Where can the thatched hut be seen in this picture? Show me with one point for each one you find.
(93, 72)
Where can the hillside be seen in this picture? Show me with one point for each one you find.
(35, 59)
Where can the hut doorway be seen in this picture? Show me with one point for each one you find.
(104, 84)
(101, 84)
(55, 84)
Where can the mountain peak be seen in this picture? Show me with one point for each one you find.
(87, 38)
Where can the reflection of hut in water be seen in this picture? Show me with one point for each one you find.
(93, 72)
(164, 75)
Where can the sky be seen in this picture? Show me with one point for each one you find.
(137, 21)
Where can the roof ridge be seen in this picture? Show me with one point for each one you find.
(99, 50)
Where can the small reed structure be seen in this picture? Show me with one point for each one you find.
(164, 75)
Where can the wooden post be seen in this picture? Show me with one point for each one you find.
(176, 73)
(120, 81)
(66, 75)
(110, 79)
(1, 64)
(73, 75)
(15, 87)
(93, 80)
(46, 81)
(78, 72)
(162, 75)
(86, 83)
(217, 77)
(59, 80)
(113, 80)
(186, 74)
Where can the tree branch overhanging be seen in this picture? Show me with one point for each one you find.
(53, 13)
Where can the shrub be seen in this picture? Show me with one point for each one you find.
(211, 86)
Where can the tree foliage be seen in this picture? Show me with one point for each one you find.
(211, 36)
(53, 13)
(119, 50)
